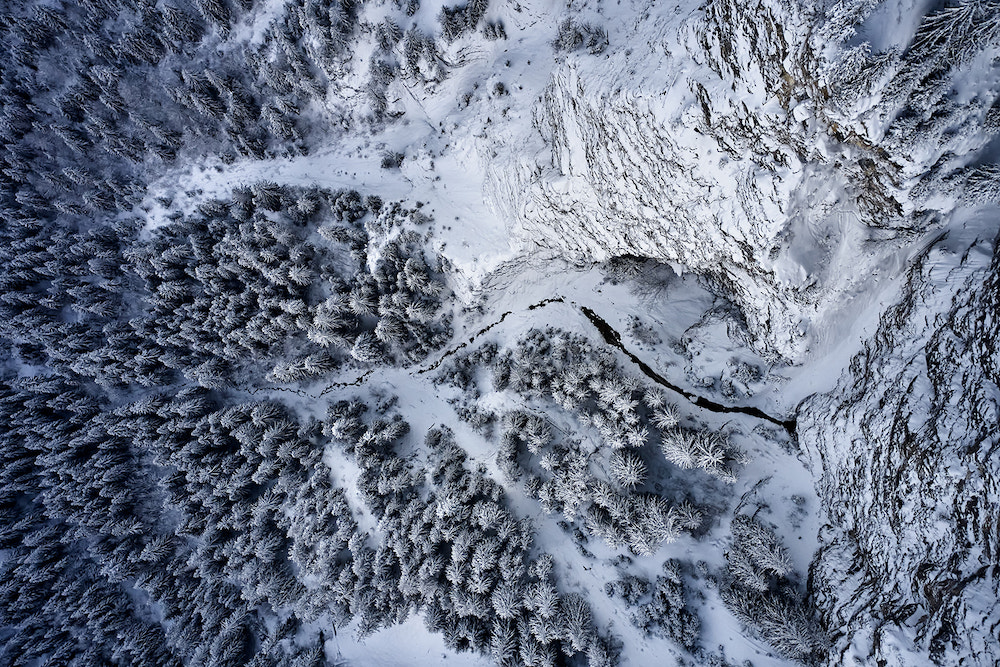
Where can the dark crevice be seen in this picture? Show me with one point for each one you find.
(355, 383)
(473, 337)
(612, 337)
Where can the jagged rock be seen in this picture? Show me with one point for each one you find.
(733, 159)
(907, 445)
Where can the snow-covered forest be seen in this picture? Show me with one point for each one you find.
(497, 332)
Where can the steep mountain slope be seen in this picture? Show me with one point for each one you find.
(763, 148)
(907, 445)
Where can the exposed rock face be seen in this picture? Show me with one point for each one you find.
(706, 161)
(751, 150)
(908, 447)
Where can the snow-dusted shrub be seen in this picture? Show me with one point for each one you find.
(628, 469)
(573, 35)
(690, 449)
(494, 31)
(643, 332)
(660, 608)
(784, 624)
(481, 420)
(367, 348)
(392, 160)
(629, 588)
(461, 369)
(665, 415)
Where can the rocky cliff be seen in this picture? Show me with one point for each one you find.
(762, 144)
(907, 449)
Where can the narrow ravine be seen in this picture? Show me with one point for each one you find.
(610, 336)
(613, 338)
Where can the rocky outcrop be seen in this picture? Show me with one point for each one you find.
(710, 161)
(909, 453)
(741, 141)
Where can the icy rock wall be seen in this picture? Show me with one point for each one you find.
(685, 145)
(793, 153)
(909, 452)
(715, 139)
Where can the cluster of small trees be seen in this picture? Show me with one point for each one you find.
(638, 521)
(568, 370)
(461, 19)
(759, 593)
(908, 92)
(461, 370)
(567, 485)
(308, 48)
(574, 35)
(453, 551)
(708, 451)
(912, 85)
(660, 607)
(413, 54)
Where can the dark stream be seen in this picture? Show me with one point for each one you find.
(612, 337)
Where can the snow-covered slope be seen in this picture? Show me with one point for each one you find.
(708, 137)
(907, 446)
